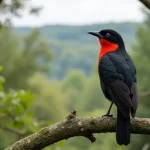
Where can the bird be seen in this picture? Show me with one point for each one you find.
(118, 81)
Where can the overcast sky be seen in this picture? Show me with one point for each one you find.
(82, 12)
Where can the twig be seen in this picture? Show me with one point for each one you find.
(146, 3)
(145, 93)
(15, 131)
(1, 1)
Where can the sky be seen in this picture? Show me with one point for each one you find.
(80, 12)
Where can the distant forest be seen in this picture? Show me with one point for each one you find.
(73, 48)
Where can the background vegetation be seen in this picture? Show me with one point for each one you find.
(49, 71)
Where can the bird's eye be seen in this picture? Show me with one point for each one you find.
(107, 34)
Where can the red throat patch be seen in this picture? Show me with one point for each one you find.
(106, 47)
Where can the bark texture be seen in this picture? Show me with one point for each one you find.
(73, 126)
(146, 3)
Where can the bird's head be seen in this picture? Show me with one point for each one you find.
(109, 38)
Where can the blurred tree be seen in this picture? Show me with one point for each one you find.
(22, 57)
(13, 8)
(92, 96)
(141, 55)
(1, 1)
(15, 114)
(73, 85)
(74, 79)
(51, 101)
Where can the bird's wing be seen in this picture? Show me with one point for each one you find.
(120, 95)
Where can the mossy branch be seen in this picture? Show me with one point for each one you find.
(72, 126)
(146, 3)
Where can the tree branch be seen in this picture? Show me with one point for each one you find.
(146, 3)
(1, 1)
(145, 93)
(73, 126)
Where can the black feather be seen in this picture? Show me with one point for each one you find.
(122, 129)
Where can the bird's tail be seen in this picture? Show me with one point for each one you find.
(122, 129)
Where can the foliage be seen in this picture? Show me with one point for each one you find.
(73, 85)
(15, 111)
(11, 8)
(141, 51)
(92, 97)
(51, 102)
(24, 57)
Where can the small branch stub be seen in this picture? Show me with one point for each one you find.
(91, 137)
(71, 115)
(74, 112)
(146, 3)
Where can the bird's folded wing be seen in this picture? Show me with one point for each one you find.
(120, 95)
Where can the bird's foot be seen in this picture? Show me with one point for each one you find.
(107, 115)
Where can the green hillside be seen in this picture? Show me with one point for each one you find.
(73, 48)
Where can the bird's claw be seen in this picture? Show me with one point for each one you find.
(107, 115)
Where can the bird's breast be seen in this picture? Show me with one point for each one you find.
(106, 49)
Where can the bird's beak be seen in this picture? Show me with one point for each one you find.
(97, 34)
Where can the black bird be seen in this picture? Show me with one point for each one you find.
(117, 75)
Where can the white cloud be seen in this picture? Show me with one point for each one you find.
(83, 12)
